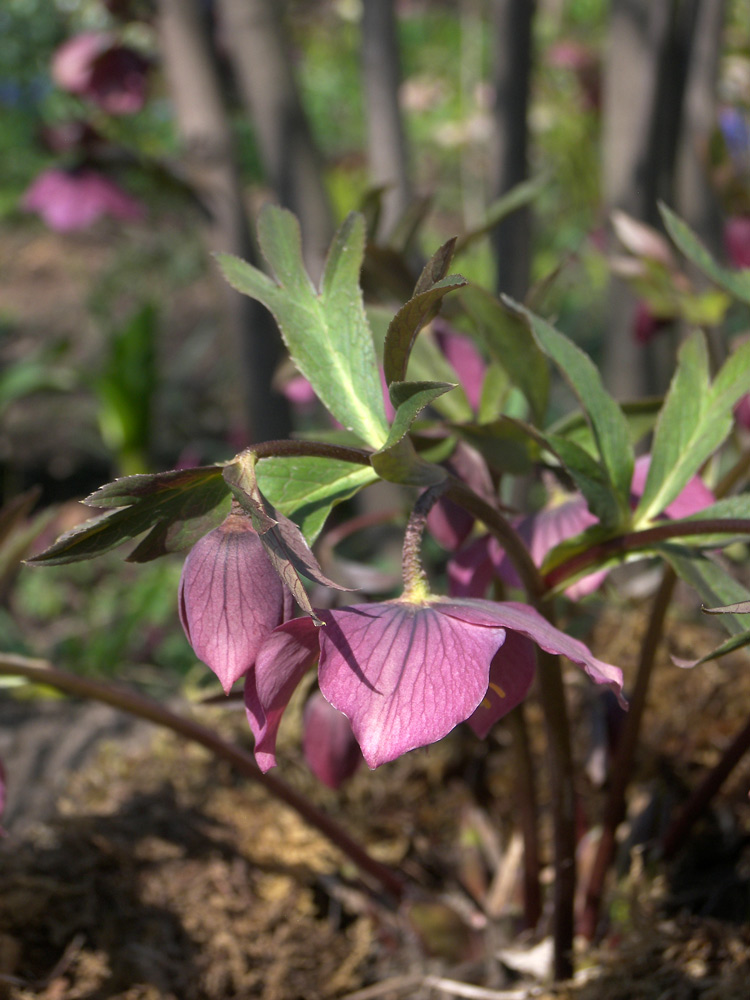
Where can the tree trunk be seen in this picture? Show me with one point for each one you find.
(512, 29)
(259, 54)
(210, 165)
(386, 141)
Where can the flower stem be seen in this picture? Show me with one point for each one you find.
(528, 811)
(309, 449)
(622, 767)
(41, 672)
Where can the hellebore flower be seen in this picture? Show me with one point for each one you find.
(95, 66)
(471, 569)
(406, 672)
(231, 598)
(69, 200)
(328, 743)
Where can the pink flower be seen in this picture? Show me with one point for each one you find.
(231, 598)
(69, 200)
(93, 65)
(472, 569)
(328, 743)
(465, 359)
(405, 672)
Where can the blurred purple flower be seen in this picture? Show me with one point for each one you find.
(448, 523)
(405, 673)
(463, 357)
(231, 598)
(328, 743)
(737, 240)
(95, 66)
(69, 200)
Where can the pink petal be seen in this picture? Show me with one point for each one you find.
(472, 568)
(694, 498)
(284, 658)
(405, 675)
(448, 523)
(511, 675)
(328, 743)
(73, 200)
(526, 620)
(72, 62)
(464, 358)
(230, 598)
(737, 240)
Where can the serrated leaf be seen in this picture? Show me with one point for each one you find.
(640, 414)
(737, 283)
(714, 585)
(409, 399)
(608, 423)
(743, 608)
(326, 333)
(307, 488)
(511, 344)
(695, 420)
(407, 323)
(436, 267)
(178, 506)
(427, 363)
(282, 540)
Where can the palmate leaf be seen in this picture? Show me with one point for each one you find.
(695, 420)
(327, 333)
(176, 508)
(608, 424)
(737, 283)
(423, 306)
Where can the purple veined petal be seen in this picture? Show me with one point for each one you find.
(328, 743)
(230, 598)
(70, 200)
(464, 358)
(694, 498)
(406, 674)
(471, 569)
(526, 620)
(511, 676)
(284, 658)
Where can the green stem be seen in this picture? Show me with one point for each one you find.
(41, 672)
(622, 767)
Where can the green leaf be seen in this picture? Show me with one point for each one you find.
(511, 344)
(503, 444)
(436, 267)
(407, 323)
(282, 540)
(728, 646)
(737, 283)
(608, 423)
(306, 489)
(640, 414)
(743, 608)
(178, 506)
(398, 461)
(695, 420)
(518, 197)
(427, 363)
(714, 585)
(409, 399)
(327, 334)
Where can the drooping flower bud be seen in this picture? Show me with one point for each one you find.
(230, 598)
(328, 743)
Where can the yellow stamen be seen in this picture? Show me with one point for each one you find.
(498, 690)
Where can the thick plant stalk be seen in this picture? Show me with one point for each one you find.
(622, 767)
(41, 672)
(560, 760)
(528, 810)
(679, 829)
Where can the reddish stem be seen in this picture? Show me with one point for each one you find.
(40, 672)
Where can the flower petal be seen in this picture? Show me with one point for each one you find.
(405, 674)
(230, 598)
(526, 620)
(328, 743)
(285, 657)
(511, 675)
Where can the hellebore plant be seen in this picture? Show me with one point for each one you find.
(405, 671)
